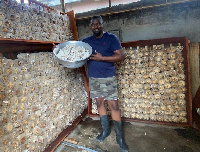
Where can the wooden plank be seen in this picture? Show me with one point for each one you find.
(65, 132)
(188, 93)
(194, 67)
(18, 45)
(86, 84)
(11, 41)
(20, 48)
(73, 27)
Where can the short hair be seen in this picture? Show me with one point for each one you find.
(97, 17)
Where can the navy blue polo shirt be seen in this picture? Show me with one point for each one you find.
(105, 45)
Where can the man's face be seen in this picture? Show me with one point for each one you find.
(97, 27)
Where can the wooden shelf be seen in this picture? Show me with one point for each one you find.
(174, 40)
(20, 45)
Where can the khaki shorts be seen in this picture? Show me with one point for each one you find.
(103, 87)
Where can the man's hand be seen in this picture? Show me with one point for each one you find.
(97, 56)
(116, 57)
(54, 46)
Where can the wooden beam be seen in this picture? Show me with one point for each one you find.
(12, 41)
(73, 27)
(19, 45)
(188, 93)
(86, 84)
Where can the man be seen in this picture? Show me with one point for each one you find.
(102, 82)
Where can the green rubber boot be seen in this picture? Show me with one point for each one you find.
(106, 128)
(119, 136)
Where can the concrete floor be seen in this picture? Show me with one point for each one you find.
(140, 137)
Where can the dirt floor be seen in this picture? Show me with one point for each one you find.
(140, 137)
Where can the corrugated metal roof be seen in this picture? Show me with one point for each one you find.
(85, 8)
(141, 5)
(57, 2)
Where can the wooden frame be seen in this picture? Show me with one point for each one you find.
(184, 42)
(21, 45)
(72, 20)
(12, 46)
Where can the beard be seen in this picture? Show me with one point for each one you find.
(97, 34)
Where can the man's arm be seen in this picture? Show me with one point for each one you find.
(116, 57)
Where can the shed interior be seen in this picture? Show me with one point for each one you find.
(42, 102)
